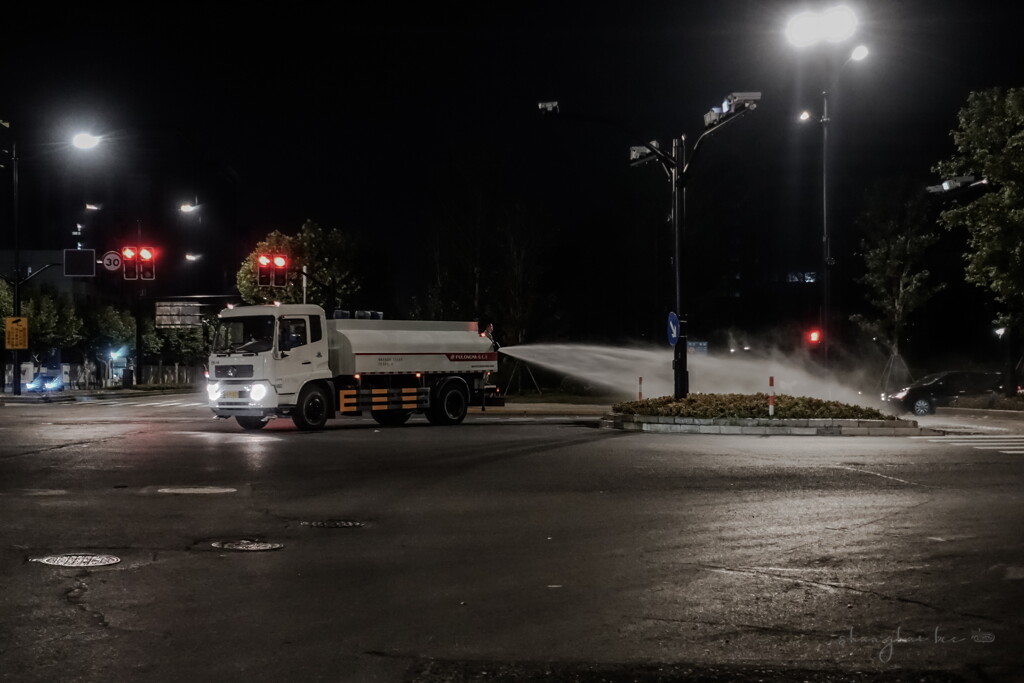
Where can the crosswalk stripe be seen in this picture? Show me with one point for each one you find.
(1011, 444)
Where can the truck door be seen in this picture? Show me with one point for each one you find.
(302, 355)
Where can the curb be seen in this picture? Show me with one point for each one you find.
(981, 412)
(764, 427)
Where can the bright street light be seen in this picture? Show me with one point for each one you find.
(85, 140)
(81, 141)
(832, 25)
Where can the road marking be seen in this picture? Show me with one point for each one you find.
(1011, 444)
(883, 476)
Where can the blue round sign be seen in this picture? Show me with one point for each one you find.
(673, 328)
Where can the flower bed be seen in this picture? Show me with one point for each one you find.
(751, 406)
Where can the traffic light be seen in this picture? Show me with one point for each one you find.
(814, 337)
(272, 270)
(130, 262)
(147, 263)
(263, 268)
(280, 270)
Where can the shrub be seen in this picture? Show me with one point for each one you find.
(748, 406)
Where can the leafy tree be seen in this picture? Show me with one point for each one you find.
(6, 299)
(183, 345)
(328, 255)
(897, 234)
(989, 140)
(109, 330)
(53, 323)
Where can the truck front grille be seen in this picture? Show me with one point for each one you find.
(232, 371)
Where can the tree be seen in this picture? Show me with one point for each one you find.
(897, 234)
(989, 140)
(110, 331)
(328, 255)
(54, 324)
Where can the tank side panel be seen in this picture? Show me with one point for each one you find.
(393, 346)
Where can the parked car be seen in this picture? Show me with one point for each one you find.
(45, 383)
(941, 389)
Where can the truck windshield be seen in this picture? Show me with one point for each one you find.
(251, 334)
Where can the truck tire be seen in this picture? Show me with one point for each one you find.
(391, 418)
(312, 410)
(248, 422)
(449, 404)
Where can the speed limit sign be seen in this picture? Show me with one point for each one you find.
(112, 261)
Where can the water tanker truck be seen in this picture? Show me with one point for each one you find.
(292, 361)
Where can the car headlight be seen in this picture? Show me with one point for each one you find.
(900, 395)
(258, 391)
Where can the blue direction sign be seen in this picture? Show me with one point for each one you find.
(673, 328)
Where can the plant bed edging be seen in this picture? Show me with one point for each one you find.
(764, 426)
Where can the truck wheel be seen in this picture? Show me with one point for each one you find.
(247, 422)
(391, 418)
(449, 404)
(312, 410)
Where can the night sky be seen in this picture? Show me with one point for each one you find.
(361, 119)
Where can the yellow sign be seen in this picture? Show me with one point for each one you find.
(16, 332)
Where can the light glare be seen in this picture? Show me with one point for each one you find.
(834, 25)
(85, 141)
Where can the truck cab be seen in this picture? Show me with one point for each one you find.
(261, 360)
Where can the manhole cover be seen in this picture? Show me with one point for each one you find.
(333, 523)
(196, 489)
(247, 545)
(77, 560)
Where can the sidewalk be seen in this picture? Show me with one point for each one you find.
(71, 395)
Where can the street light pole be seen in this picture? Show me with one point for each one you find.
(680, 373)
(16, 283)
(678, 168)
(82, 141)
(834, 25)
(826, 247)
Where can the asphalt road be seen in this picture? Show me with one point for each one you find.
(521, 545)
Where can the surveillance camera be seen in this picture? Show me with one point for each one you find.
(745, 97)
(741, 100)
(959, 181)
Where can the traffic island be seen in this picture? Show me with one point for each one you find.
(764, 426)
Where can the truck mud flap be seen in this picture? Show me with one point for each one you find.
(406, 398)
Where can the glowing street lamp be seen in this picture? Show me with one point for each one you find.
(85, 140)
(81, 141)
(833, 25)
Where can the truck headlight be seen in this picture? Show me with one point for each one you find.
(213, 391)
(258, 391)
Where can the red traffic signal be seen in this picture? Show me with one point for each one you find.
(280, 270)
(814, 336)
(147, 263)
(130, 263)
(263, 276)
(271, 270)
